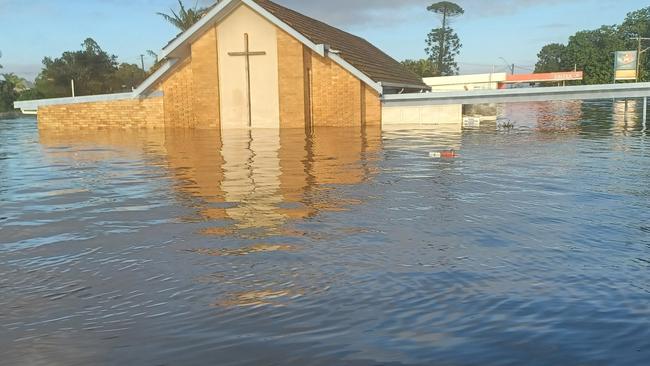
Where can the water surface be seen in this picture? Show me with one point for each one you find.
(341, 247)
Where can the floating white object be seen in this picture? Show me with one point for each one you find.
(471, 122)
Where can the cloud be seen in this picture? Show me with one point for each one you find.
(352, 13)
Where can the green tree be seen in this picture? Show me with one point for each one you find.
(443, 44)
(637, 24)
(424, 67)
(20, 84)
(552, 58)
(592, 50)
(127, 77)
(93, 70)
(8, 95)
(185, 17)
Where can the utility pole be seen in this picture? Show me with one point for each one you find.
(513, 69)
(142, 62)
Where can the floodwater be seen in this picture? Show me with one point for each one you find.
(344, 247)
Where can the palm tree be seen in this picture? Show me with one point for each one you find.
(185, 18)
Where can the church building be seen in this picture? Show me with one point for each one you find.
(248, 64)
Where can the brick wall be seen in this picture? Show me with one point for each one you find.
(291, 81)
(371, 106)
(205, 81)
(178, 91)
(338, 97)
(134, 113)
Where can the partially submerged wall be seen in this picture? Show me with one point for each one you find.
(425, 115)
(129, 113)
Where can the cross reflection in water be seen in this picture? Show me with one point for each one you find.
(247, 182)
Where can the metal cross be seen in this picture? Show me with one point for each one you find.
(247, 54)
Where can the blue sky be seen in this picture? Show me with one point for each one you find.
(512, 29)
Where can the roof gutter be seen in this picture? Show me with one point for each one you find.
(422, 87)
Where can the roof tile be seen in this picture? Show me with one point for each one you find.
(360, 53)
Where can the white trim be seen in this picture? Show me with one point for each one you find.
(207, 19)
(144, 87)
(32, 105)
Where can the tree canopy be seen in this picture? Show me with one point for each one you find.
(93, 70)
(592, 50)
(185, 17)
(443, 44)
(446, 8)
(424, 68)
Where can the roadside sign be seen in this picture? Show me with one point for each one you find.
(625, 66)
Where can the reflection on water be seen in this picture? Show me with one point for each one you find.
(342, 246)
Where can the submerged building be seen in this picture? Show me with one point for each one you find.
(248, 64)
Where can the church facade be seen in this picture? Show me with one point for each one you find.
(249, 64)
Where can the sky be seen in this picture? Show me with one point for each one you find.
(493, 32)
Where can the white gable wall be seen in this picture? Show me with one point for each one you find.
(265, 99)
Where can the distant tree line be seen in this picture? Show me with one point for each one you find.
(442, 44)
(592, 51)
(93, 70)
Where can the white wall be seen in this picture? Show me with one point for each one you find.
(465, 82)
(426, 115)
(232, 71)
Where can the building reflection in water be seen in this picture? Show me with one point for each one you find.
(241, 182)
(553, 116)
(626, 115)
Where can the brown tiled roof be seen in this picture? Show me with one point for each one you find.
(360, 53)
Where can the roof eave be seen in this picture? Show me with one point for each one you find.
(214, 15)
(143, 89)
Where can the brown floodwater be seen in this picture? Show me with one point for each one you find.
(335, 247)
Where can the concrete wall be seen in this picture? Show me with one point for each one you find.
(465, 82)
(427, 115)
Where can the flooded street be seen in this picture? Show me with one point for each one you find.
(343, 247)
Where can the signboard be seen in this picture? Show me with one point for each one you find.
(545, 77)
(625, 66)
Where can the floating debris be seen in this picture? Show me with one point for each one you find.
(259, 248)
(445, 154)
(256, 298)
